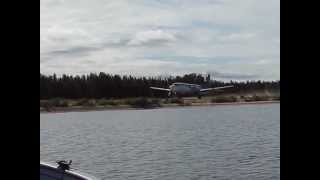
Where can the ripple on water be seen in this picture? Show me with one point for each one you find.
(227, 142)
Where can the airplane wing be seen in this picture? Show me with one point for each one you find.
(161, 89)
(217, 88)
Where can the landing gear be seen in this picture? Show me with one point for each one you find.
(173, 94)
(199, 95)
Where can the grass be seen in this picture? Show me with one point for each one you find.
(105, 102)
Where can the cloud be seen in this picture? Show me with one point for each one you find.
(152, 37)
(160, 37)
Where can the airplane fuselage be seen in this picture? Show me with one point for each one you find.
(184, 89)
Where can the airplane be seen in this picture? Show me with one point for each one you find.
(181, 89)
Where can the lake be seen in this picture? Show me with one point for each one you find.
(214, 142)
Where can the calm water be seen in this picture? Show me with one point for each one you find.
(221, 142)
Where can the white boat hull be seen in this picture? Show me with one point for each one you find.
(50, 172)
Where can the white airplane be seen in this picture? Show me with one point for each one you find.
(180, 89)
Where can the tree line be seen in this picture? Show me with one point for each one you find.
(105, 85)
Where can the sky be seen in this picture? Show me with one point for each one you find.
(230, 39)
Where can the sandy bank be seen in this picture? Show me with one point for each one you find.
(127, 107)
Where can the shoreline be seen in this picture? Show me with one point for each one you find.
(127, 107)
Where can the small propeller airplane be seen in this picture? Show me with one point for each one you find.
(180, 89)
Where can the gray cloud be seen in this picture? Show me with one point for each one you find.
(73, 51)
(81, 51)
(152, 37)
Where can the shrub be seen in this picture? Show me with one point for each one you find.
(256, 98)
(224, 99)
(156, 102)
(57, 102)
(167, 101)
(80, 102)
(138, 103)
(260, 98)
(186, 104)
(86, 102)
(176, 101)
(44, 104)
(91, 102)
(105, 102)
